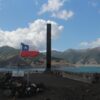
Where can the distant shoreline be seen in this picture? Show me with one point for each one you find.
(75, 65)
(87, 65)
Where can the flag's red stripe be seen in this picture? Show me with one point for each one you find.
(29, 53)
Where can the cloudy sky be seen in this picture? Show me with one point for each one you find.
(75, 23)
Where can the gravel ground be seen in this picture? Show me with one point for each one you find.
(58, 88)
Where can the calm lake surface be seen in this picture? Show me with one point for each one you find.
(63, 69)
(83, 69)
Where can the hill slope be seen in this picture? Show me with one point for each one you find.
(88, 56)
(72, 56)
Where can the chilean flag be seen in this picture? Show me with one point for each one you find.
(26, 53)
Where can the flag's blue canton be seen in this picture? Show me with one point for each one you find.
(25, 47)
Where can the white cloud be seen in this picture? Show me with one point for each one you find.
(34, 35)
(63, 14)
(51, 6)
(84, 44)
(54, 7)
(92, 44)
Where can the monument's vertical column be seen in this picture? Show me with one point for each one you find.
(48, 53)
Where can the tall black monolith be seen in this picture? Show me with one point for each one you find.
(48, 50)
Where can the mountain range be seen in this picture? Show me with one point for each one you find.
(81, 56)
(10, 56)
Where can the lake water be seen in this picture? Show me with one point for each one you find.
(61, 69)
(22, 69)
(83, 69)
